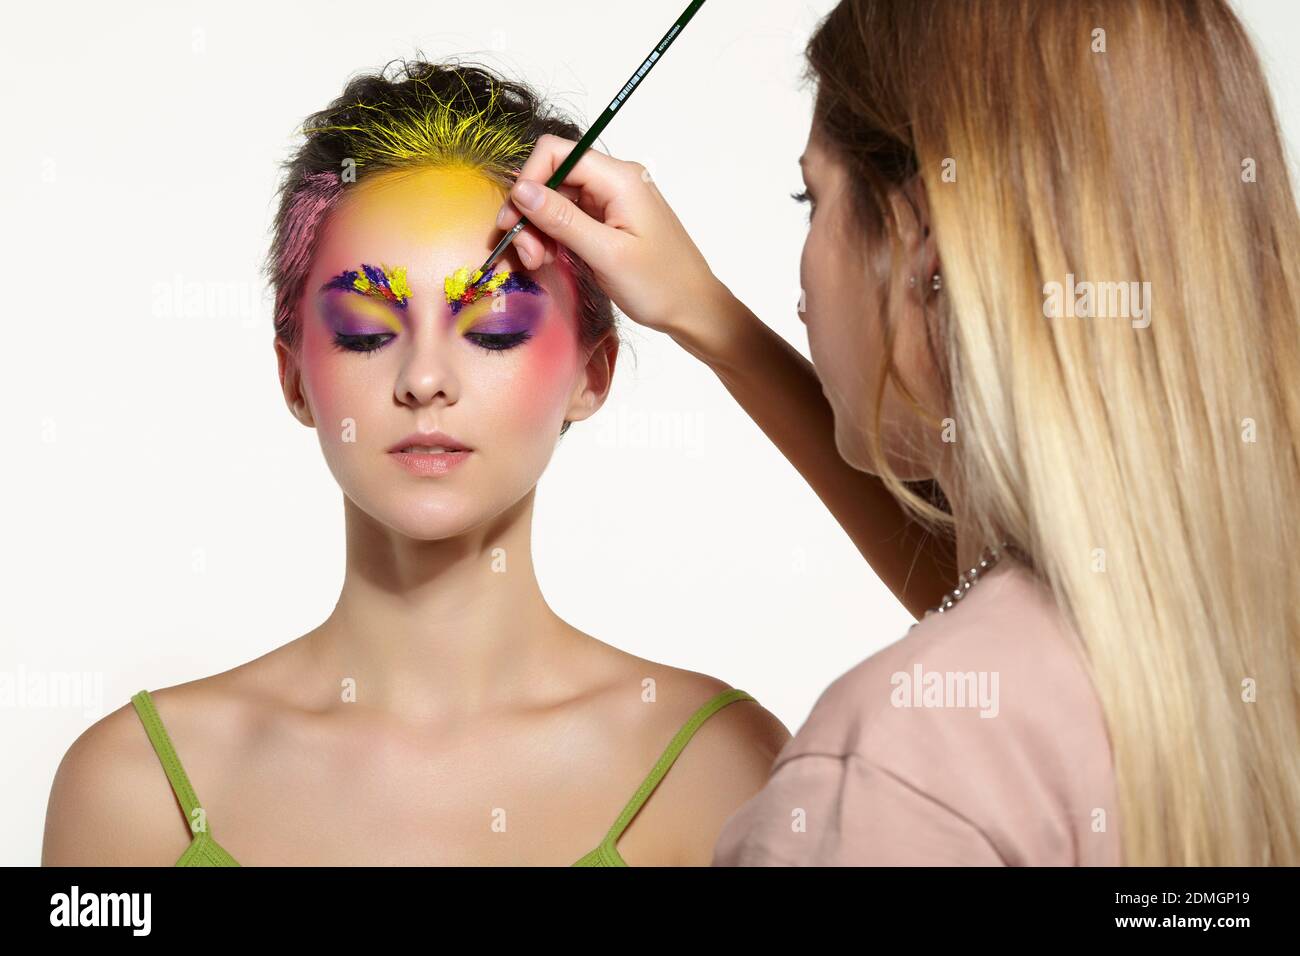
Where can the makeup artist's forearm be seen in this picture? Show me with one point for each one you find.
(779, 389)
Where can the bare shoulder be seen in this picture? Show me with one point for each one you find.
(724, 762)
(727, 760)
(110, 803)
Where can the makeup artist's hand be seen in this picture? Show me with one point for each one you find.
(609, 212)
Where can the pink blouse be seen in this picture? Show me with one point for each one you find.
(976, 739)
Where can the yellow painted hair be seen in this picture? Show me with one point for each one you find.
(439, 127)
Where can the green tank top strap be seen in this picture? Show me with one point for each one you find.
(670, 754)
(162, 746)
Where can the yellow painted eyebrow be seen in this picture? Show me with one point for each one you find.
(380, 282)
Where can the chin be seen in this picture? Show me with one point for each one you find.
(423, 509)
(852, 447)
(431, 518)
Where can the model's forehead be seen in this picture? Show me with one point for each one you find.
(430, 221)
(426, 205)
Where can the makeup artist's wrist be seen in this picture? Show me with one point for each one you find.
(713, 330)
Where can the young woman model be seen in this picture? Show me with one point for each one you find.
(442, 713)
(1053, 263)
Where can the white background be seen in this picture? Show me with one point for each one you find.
(164, 517)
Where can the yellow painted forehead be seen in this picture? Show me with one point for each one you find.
(434, 197)
(451, 209)
(432, 220)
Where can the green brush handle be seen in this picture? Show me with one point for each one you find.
(597, 127)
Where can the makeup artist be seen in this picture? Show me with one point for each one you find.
(1107, 555)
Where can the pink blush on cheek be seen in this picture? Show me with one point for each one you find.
(550, 362)
(317, 373)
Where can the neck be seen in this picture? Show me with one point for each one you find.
(439, 627)
(969, 544)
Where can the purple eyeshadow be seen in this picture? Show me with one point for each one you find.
(340, 320)
(518, 316)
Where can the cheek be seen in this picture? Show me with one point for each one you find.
(551, 359)
(351, 397)
(832, 297)
(845, 335)
(532, 391)
(830, 301)
(335, 387)
(318, 384)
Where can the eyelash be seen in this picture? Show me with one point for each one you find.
(498, 342)
(355, 343)
(489, 342)
(804, 196)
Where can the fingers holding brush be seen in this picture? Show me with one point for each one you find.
(534, 246)
(618, 223)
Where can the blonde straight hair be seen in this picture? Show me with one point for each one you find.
(1147, 465)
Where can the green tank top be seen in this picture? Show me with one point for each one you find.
(205, 851)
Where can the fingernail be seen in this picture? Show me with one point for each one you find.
(501, 215)
(528, 194)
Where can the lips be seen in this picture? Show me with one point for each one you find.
(429, 454)
(429, 443)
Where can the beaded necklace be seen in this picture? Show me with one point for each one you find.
(966, 580)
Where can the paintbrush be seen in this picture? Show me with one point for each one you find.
(589, 137)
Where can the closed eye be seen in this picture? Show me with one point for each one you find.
(369, 342)
(499, 341)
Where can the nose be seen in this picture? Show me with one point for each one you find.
(428, 376)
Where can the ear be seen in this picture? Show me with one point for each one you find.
(912, 214)
(291, 384)
(594, 383)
